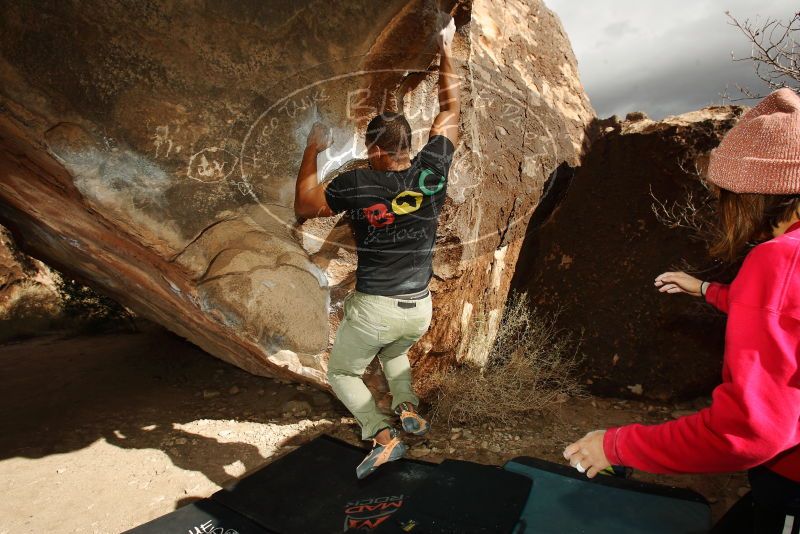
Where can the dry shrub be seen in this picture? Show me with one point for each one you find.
(87, 311)
(29, 300)
(27, 309)
(531, 368)
(31, 308)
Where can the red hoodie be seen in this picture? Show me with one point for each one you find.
(754, 417)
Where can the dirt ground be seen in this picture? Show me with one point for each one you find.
(103, 433)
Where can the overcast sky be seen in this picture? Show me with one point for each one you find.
(662, 57)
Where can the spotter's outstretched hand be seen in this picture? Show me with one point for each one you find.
(587, 454)
(679, 282)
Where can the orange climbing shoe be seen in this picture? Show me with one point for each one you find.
(381, 454)
(412, 422)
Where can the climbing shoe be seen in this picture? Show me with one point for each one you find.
(381, 454)
(412, 422)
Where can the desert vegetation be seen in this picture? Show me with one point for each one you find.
(532, 366)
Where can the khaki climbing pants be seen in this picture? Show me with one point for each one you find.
(383, 326)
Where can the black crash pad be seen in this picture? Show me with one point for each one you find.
(563, 500)
(467, 498)
(314, 489)
(201, 517)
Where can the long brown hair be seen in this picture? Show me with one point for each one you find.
(748, 218)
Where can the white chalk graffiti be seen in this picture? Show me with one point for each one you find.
(290, 107)
(163, 138)
(514, 114)
(245, 188)
(209, 528)
(211, 165)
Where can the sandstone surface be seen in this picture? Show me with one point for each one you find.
(150, 149)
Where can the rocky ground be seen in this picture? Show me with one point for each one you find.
(102, 433)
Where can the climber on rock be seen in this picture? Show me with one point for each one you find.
(394, 206)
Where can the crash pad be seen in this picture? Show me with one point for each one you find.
(563, 500)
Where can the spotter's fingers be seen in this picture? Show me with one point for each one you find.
(571, 450)
(592, 472)
(663, 276)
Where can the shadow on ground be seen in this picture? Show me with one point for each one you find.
(135, 391)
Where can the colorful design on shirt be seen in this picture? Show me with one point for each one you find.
(379, 215)
(411, 201)
(404, 203)
(424, 174)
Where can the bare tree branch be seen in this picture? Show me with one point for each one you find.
(691, 214)
(774, 51)
(694, 212)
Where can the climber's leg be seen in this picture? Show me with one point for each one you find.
(357, 342)
(397, 368)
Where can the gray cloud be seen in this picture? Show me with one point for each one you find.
(619, 28)
(663, 58)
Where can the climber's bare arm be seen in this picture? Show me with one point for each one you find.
(309, 195)
(446, 122)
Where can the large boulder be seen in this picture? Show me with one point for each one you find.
(150, 150)
(595, 259)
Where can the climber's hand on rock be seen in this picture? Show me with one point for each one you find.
(587, 454)
(445, 37)
(679, 282)
(320, 137)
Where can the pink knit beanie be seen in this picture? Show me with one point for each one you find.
(761, 154)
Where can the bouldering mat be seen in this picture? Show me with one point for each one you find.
(563, 500)
(467, 498)
(201, 517)
(314, 489)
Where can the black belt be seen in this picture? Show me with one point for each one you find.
(403, 299)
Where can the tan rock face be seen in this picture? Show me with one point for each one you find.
(153, 149)
(597, 257)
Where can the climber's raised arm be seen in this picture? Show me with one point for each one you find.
(446, 122)
(309, 195)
